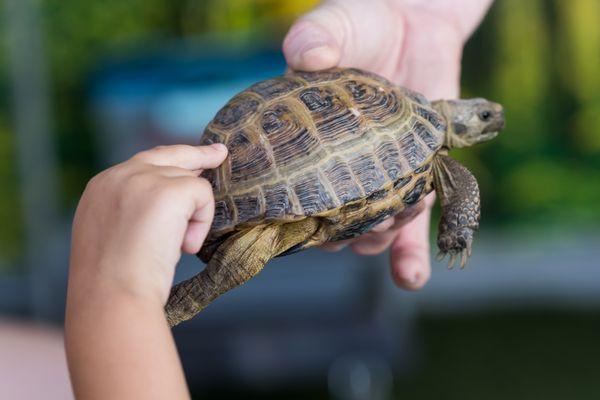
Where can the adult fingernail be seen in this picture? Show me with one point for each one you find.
(383, 226)
(333, 247)
(412, 281)
(408, 277)
(310, 47)
(318, 57)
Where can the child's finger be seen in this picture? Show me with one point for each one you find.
(194, 237)
(174, 172)
(200, 214)
(184, 156)
(409, 256)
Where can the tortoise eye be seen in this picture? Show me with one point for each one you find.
(485, 115)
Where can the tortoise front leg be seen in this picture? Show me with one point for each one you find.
(237, 260)
(459, 196)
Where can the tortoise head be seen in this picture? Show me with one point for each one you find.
(470, 121)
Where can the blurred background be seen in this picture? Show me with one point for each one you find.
(87, 84)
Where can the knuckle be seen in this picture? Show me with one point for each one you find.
(197, 185)
(133, 185)
(161, 194)
(142, 156)
(96, 181)
(107, 178)
(137, 180)
(188, 184)
(204, 186)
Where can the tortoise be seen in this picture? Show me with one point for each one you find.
(324, 156)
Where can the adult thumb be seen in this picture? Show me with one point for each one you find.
(344, 33)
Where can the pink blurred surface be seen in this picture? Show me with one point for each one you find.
(32, 362)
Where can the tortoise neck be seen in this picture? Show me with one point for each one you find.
(451, 139)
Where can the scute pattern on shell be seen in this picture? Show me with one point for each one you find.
(309, 142)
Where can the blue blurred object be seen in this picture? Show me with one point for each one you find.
(158, 100)
(304, 314)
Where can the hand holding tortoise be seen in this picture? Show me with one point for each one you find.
(415, 43)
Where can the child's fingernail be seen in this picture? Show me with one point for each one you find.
(219, 146)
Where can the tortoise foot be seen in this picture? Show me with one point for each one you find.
(458, 244)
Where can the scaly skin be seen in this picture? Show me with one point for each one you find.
(459, 197)
(237, 260)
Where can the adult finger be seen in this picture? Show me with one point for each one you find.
(343, 33)
(335, 246)
(383, 226)
(409, 257)
(382, 235)
(184, 156)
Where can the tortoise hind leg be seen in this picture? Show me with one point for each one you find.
(459, 197)
(238, 259)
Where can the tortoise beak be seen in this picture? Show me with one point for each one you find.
(497, 123)
(485, 136)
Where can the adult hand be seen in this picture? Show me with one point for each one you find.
(414, 43)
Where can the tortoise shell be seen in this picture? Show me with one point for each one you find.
(307, 143)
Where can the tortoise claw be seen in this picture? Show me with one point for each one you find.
(440, 256)
(463, 258)
(451, 261)
(462, 255)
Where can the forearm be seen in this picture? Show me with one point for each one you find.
(120, 346)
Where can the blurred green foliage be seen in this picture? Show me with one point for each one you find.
(11, 234)
(540, 58)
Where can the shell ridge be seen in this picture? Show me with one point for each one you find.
(328, 186)
(267, 144)
(294, 199)
(420, 142)
(308, 121)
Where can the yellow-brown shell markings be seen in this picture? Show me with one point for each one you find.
(310, 143)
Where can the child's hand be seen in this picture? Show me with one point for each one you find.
(135, 218)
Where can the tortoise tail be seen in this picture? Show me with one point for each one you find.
(190, 297)
(234, 262)
(237, 260)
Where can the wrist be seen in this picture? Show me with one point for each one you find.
(96, 286)
(120, 333)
